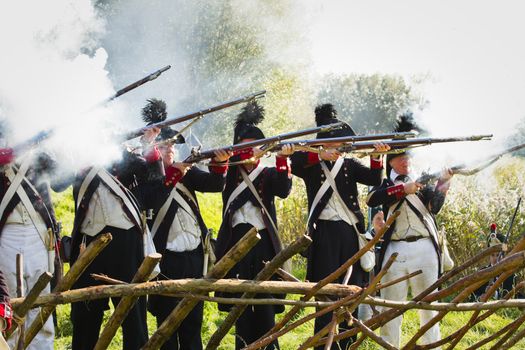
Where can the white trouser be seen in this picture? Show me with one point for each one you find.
(413, 256)
(24, 239)
(3, 344)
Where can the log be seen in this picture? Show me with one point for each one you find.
(83, 261)
(382, 318)
(485, 315)
(507, 265)
(520, 246)
(266, 273)
(369, 290)
(175, 287)
(20, 292)
(126, 303)
(513, 325)
(260, 301)
(184, 307)
(20, 309)
(370, 333)
(265, 339)
(516, 338)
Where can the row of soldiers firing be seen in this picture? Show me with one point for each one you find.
(157, 184)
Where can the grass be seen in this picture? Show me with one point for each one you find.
(210, 208)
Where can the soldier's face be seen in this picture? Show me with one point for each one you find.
(167, 153)
(401, 164)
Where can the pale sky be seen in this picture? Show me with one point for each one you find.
(474, 51)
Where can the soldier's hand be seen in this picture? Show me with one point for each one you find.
(330, 155)
(150, 134)
(182, 167)
(381, 147)
(221, 156)
(378, 221)
(446, 175)
(412, 187)
(286, 151)
(258, 153)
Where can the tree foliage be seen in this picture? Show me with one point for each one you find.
(369, 102)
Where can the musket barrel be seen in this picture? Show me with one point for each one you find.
(198, 156)
(357, 146)
(138, 83)
(356, 138)
(176, 120)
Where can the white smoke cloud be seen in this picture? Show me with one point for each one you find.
(52, 74)
(469, 49)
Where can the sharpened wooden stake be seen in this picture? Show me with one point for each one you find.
(184, 307)
(266, 273)
(20, 310)
(270, 335)
(126, 303)
(83, 261)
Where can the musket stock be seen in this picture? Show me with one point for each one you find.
(33, 141)
(199, 114)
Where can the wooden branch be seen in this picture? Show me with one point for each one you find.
(106, 279)
(126, 303)
(520, 246)
(516, 338)
(505, 329)
(400, 279)
(184, 307)
(507, 265)
(485, 315)
(266, 339)
(84, 259)
(260, 301)
(266, 273)
(173, 287)
(20, 293)
(21, 309)
(286, 276)
(369, 290)
(382, 318)
(370, 333)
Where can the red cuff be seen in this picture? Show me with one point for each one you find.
(281, 163)
(313, 158)
(6, 156)
(376, 163)
(397, 190)
(244, 153)
(152, 154)
(173, 175)
(218, 168)
(7, 314)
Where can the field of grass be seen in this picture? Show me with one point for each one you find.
(210, 206)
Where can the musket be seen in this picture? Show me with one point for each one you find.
(463, 170)
(404, 144)
(512, 222)
(276, 142)
(194, 115)
(33, 141)
(136, 84)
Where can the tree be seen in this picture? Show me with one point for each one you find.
(370, 103)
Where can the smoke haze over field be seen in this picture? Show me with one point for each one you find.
(66, 56)
(471, 52)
